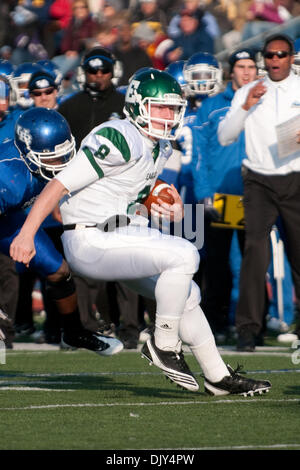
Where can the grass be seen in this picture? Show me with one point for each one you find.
(79, 401)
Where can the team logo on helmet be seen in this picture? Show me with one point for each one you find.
(24, 135)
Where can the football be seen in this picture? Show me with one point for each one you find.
(159, 191)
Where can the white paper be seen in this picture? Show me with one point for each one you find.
(287, 137)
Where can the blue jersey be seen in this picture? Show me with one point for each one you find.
(183, 178)
(19, 188)
(7, 125)
(216, 169)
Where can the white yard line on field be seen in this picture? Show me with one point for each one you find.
(159, 403)
(35, 389)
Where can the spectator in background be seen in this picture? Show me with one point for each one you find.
(111, 9)
(209, 21)
(6, 29)
(192, 38)
(153, 42)
(60, 15)
(271, 180)
(81, 27)
(266, 14)
(29, 20)
(131, 56)
(149, 11)
(106, 35)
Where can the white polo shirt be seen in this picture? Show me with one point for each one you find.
(280, 103)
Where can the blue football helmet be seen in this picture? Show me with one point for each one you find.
(52, 68)
(4, 88)
(44, 140)
(19, 82)
(203, 74)
(176, 70)
(6, 68)
(296, 64)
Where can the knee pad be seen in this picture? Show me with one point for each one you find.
(61, 289)
(187, 258)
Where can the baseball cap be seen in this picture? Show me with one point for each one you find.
(98, 58)
(240, 55)
(40, 80)
(144, 32)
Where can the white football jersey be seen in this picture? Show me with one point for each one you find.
(115, 168)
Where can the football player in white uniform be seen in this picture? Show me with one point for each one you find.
(116, 166)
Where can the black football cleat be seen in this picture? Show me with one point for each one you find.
(100, 344)
(236, 384)
(172, 365)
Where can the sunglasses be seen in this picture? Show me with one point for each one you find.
(94, 70)
(279, 54)
(42, 92)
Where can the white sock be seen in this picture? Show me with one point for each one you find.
(166, 333)
(196, 333)
(210, 361)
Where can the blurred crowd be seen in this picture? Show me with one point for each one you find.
(167, 30)
(58, 35)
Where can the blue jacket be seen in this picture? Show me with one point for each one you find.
(199, 41)
(216, 168)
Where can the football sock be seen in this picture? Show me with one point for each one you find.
(171, 293)
(166, 333)
(195, 331)
(71, 321)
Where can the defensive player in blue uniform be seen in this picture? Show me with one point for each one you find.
(8, 116)
(44, 136)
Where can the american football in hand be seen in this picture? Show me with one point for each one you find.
(159, 191)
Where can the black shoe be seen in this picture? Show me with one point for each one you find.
(171, 363)
(259, 340)
(129, 343)
(246, 342)
(103, 345)
(236, 384)
(107, 329)
(8, 343)
(24, 329)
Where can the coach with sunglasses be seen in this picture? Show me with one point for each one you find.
(271, 178)
(99, 101)
(43, 90)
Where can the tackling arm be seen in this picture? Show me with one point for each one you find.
(22, 248)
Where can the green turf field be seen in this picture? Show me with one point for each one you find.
(78, 400)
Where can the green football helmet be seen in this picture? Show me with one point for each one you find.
(148, 87)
